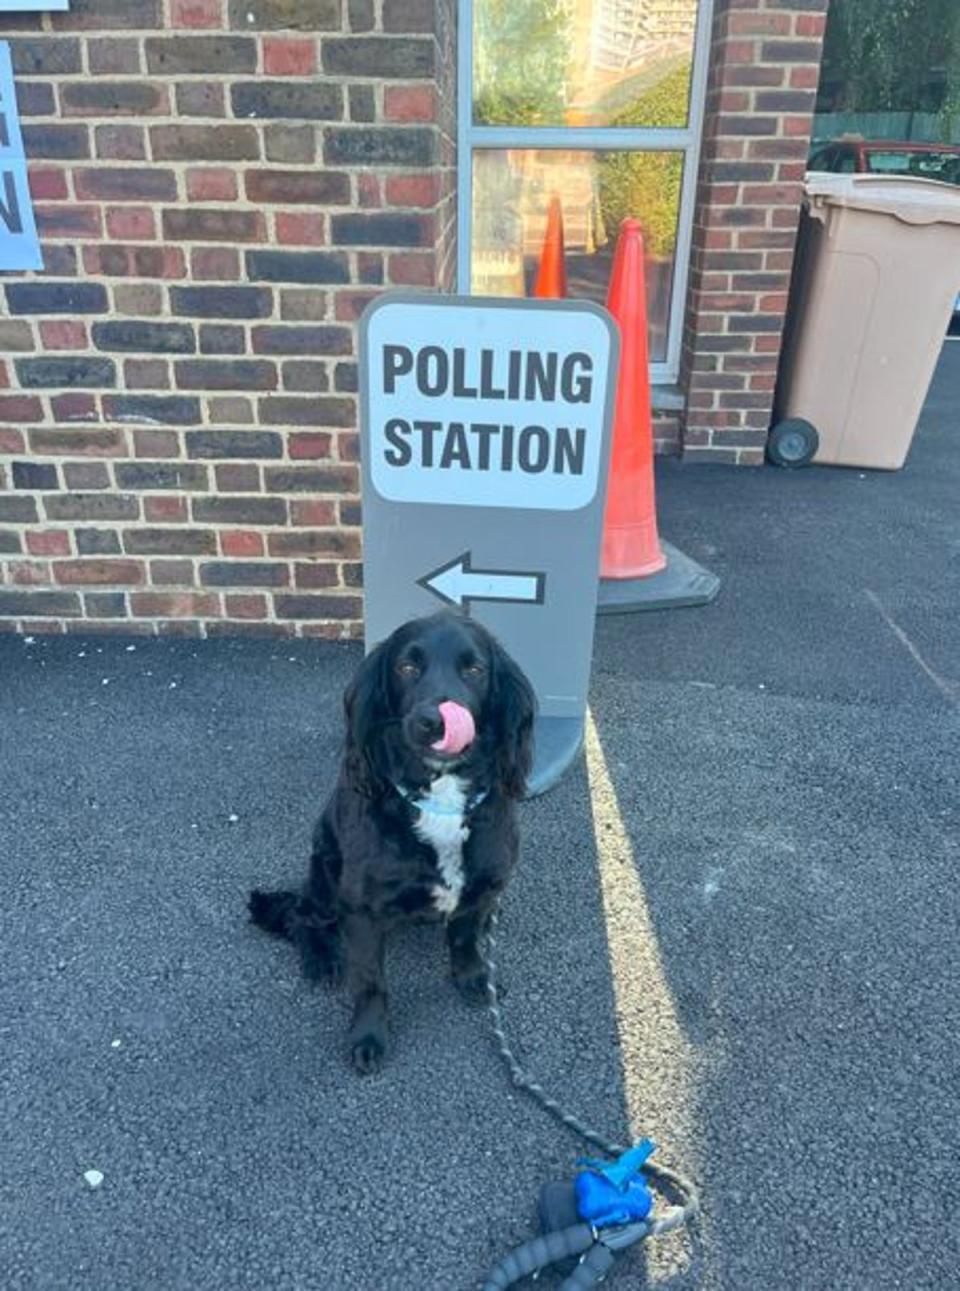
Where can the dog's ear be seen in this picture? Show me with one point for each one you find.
(515, 706)
(366, 706)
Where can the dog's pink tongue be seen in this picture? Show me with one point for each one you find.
(458, 728)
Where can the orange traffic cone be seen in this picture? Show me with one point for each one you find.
(631, 546)
(551, 280)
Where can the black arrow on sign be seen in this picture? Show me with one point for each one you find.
(458, 583)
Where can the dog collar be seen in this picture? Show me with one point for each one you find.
(470, 805)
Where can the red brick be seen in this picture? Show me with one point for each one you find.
(351, 304)
(804, 78)
(739, 51)
(196, 14)
(114, 56)
(246, 606)
(36, 627)
(778, 149)
(219, 264)
(791, 171)
(166, 510)
(61, 334)
(410, 103)
(315, 445)
(11, 441)
(74, 406)
(323, 574)
(99, 573)
(768, 76)
(156, 443)
(133, 261)
(120, 143)
(29, 573)
(413, 190)
(175, 605)
(811, 24)
(289, 56)
(758, 24)
(84, 476)
(772, 194)
(368, 190)
(722, 301)
(47, 185)
(764, 239)
(241, 542)
(171, 573)
(733, 101)
(146, 374)
(48, 542)
(20, 408)
(70, 221)
(313, 514)
(775, 303)
(296, 228)
(236, 477)
(131, 222)
(369, 266)
(413, 268)
(797, 126)
(212, 184)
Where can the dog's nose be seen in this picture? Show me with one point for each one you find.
(429, 725)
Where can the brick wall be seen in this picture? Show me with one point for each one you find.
(765, 60)
(220, 185)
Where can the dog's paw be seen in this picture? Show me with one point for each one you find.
(367, 1054)
(326, 969)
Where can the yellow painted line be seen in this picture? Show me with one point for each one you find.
(657, 1067)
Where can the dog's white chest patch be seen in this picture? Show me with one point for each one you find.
(440, 824)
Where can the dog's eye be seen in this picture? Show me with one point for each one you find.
(474, 670)
(408, 669)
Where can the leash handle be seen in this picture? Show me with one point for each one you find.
(593, 1268)
(538, 1253)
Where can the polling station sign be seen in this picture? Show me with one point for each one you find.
(485, 430)
(19, 248)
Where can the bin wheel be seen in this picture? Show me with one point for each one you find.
(792, 442)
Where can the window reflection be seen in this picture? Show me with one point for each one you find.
(512, 190)
(583, 62)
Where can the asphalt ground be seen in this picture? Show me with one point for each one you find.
(734, 928)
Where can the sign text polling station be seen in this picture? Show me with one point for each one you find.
(500, 424)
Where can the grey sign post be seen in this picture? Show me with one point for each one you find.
(485, 444)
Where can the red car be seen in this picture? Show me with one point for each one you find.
(852, 154)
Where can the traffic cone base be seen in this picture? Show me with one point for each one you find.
(633, 551)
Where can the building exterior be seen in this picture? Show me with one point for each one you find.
(221, 186)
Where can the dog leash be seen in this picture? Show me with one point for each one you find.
(608, 1209)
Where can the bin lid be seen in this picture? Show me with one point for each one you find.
(910, 198)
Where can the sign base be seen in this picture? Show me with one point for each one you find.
(557, 744)
(682, 583)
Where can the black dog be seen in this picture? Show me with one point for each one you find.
(421, 822)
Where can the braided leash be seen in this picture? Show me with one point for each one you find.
(674, 1216)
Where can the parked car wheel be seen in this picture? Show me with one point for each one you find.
(792, 442)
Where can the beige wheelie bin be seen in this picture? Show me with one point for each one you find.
(875, 282)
